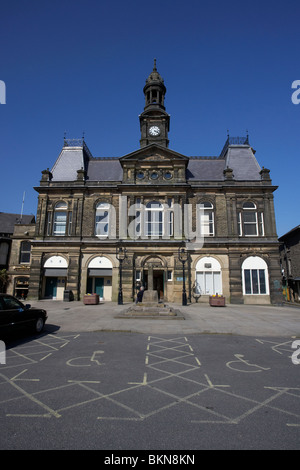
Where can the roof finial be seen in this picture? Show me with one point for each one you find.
(154, 67)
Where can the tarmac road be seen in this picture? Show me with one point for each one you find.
(221, 378)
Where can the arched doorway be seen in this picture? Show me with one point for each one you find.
(208, 276)
(99, 280)
(55, 277)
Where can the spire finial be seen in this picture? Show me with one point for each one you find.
(154, 67)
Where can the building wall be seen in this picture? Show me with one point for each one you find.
(19, 271)
(225, 245)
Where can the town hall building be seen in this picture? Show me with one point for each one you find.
(197, 226)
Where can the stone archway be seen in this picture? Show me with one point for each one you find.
(154, 275)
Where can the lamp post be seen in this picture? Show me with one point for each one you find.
(120, 255)
(183, 257)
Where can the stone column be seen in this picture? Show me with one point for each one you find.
(150, 295)
(150, 277)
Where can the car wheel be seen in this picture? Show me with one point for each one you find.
(39, 325)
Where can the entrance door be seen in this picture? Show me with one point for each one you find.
(158, 283)
(95, 285)
(99, 283)
(51, 287)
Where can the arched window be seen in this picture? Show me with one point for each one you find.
(249, 219)
(255, 276)
(208, 276)
(25, 252)
(154, 219)
(207, 225)
(60, 219)
(102, 219)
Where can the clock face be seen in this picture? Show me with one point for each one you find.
(154, 130)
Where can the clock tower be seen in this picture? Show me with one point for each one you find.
(154, 121)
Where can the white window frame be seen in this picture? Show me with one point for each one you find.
(242, 224)
(207, 219)
(102, 219)
(262, 224)
(255, 265)
(154, 210)
(60, 219)
(208, 269)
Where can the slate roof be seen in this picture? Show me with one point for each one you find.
(69, 161)
(243, 163)
(291, 232)
(240, 158)
(104, 170)
(205, 170)
(8, 221)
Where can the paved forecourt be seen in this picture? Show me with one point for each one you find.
(250, 320)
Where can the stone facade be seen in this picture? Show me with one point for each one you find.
(159, 206)
(290, 263)
(20, 258)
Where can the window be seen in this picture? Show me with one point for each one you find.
(10, 303)
(154, 219)
(207, 219)
(255, 276)
(248, 221)
(138, 217)
(60, 219)
(25, 252)
(261, 222)
(168, 175)
(170, 218)
(102, 219)
(208, 276)
(140, 175)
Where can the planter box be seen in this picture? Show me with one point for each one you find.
(92, 299)
(217, 301)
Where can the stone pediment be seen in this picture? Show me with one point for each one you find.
(153, 153)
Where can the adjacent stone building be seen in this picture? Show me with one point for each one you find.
(16, 231)
(196, 224)
(290, 263)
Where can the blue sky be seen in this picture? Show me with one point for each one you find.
(80, 66)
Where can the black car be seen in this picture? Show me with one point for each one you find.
(15, 315)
